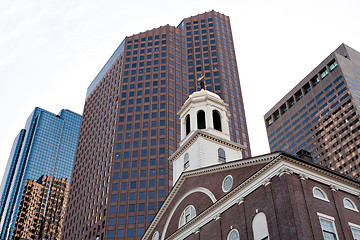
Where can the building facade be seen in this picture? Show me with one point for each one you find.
(274, 196)
(130, 127)
(42, 214)
(46, 146)
(321, 114)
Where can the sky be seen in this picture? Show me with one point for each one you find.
(50, 51)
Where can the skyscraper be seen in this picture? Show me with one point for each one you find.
(129, 128)
(321, 114)
(47, 195)
(46, 146)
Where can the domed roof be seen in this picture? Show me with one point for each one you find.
(203, 92)
(202, 96)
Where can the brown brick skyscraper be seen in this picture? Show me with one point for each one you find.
(121, 174)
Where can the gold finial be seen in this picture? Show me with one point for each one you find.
(202, 82)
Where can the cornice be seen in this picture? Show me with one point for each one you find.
(280, 165)
(212, 169)
(201, 98)
(200, 133)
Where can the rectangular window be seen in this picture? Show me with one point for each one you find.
(355, 229)
(328, 226)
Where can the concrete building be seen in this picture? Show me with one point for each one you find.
(274, 196)
(321, 114)
(129, 129)
(41, 215)
(45, 147)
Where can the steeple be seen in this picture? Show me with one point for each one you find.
(204, 110)
(205, 137)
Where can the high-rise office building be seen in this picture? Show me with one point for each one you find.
(321, 114)
(46, 146)
(42, 208)
(129, 128)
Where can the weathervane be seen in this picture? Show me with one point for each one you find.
(202, 82)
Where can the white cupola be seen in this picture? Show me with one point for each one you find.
(205, 137)
(204, 110)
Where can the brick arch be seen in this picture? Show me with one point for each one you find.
(194, 190)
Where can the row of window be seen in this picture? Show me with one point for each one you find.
(329, 229)
(134, 174)
(348, 204)
(259, 225)
(301, 92)
(260, 228)
(304, 119)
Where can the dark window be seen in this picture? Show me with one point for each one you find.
(201, 120)
(187, 120)
(216, 120)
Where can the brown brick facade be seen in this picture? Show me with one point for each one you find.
(286, 198)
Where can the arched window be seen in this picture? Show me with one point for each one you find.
(186, 216)
(260, 227)
(216, 120)
(221, 155)
(187, 122)
(320, 194)
(201, 120)
(233, 235)
(156, 236)
(350, 204)
(186, 161)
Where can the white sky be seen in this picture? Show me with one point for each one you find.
(50, 51)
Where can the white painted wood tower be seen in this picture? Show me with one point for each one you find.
(205, 137)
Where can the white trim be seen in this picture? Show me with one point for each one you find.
(183, 214)
(275, 162)
(198, 189)
(155, 236)
(223, 183)
(325, 198)
(354, 225)
(233, 230)
(330, 219)
(355, 209)
(254, 182)
(325, 216)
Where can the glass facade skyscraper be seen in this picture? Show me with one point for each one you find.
(130, 127)
(46, 146)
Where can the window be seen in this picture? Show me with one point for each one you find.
(333, 65)
(156, 236)
(324, 73)
(186, 161)
(201, 120)
(233, 235)
(355, 229)
(216, 120)
(328, 227)
(320, 194)
(221, 155)
(187, 122)
(186, 216)
(227, 183)
(350, 205)
(260, 227)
